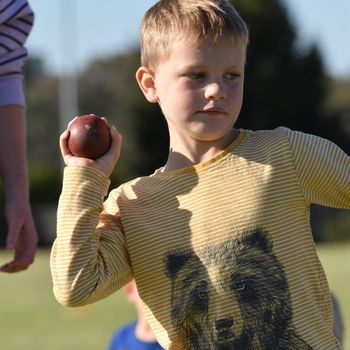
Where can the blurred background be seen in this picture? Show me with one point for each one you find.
(82, 59)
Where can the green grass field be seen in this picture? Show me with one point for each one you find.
(31, 319)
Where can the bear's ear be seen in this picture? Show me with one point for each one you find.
(174, 261)
(258, 239)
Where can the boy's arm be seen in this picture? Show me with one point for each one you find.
(89, 259)
(323, 170)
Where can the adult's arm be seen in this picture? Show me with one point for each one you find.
(16, 21)
(21, 235)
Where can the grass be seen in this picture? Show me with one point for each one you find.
(336, 262)
(31, 319)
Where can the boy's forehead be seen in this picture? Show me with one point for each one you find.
(196, 41)
(192, 49)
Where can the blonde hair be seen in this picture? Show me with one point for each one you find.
(170, 20)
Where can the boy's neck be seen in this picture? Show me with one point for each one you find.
(185, 154)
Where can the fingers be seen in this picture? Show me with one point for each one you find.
(107, 162)
(13, 234)
(24, 249)
(64, 140)
(116, 141)
(17, 265)
(64, 143)
(104, 119)
(22, 259)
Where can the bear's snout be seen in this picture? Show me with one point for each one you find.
(224, 329)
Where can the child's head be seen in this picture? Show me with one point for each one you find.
(194, 20)
(132, 294)
(193, 61)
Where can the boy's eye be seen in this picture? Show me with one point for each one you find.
(196, 75)
(231, 76)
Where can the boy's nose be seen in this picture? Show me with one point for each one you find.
(214, 91)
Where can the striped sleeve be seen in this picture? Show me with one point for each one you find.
(16, 21)
(322, 168)
(89, 259)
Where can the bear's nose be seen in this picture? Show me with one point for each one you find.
(224, 332)
(224, 323)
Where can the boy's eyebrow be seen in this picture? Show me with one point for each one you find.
(189, 67)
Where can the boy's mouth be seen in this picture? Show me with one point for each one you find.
(213, 111)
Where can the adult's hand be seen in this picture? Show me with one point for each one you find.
(22, 236)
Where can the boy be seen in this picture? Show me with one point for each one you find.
(136, 335)
(218, 240)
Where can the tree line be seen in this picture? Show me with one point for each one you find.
(284, 85)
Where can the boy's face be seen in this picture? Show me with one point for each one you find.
(200, 89)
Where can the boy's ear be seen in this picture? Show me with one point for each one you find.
(146, 80)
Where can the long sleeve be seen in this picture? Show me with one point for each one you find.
(190, 236)
(323, 170)
(16, 21)
(89, 259)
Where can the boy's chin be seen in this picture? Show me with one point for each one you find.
(218, 136)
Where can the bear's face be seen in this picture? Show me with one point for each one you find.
(222, 295)
(189, 295)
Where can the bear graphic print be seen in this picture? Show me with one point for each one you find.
(233, 295)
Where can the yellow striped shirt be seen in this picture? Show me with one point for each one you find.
(222, 252)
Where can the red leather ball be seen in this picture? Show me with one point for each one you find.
(89, 137)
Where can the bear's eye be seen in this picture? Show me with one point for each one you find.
(239, 286)
(202, 295)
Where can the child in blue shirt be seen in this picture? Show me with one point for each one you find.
(136, 335)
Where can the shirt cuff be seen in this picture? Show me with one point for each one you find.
(11, 91)
(86, 179)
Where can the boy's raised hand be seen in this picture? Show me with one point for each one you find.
(105, 163)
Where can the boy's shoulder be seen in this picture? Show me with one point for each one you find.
(265, 139)
(280, 136)
(279, 132)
